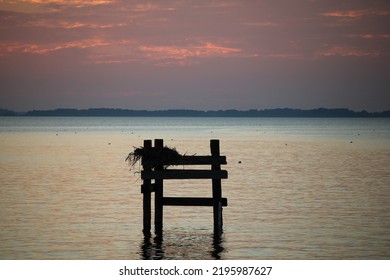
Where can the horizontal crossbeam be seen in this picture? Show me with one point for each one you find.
(191, 201)
(186, 160)
(184, 174)
(148, 188)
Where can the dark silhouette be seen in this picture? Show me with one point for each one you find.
(4, 113)
(279, 112)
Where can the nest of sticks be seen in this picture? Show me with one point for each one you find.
(156, 156)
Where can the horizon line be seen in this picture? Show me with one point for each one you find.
(277, 112)
(196, 110)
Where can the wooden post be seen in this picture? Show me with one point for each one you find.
(158, 195)
(217, 190)
(147, 194)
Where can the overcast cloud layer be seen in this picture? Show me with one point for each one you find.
(195, 54)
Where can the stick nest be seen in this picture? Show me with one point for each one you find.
(156, 156)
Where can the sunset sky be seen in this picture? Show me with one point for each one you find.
(203, 55)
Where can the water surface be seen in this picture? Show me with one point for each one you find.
(297, 189)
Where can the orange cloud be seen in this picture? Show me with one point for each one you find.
(343, 14)
(48, 48)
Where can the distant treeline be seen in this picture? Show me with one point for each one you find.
(283, 112)
(4, 112)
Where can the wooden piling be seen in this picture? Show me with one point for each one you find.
(159, 190)
(146, 190)
(217, 189)
(153, 169)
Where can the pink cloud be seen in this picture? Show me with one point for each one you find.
(348, 51)
(42, 49)
(77, 3)
(371, 36)
(182, 54)
(220, 5)
(260, 23)
(48, 6)
(146, 7)
(284, 56)
(102, 51)
(49, 23)
(130, 51)
(356, 14)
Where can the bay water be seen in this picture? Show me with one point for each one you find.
(298, 188)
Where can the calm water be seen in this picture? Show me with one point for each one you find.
(305, 189)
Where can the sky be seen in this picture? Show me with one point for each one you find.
(204, 55)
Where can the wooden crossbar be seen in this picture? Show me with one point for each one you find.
(183, 174)
(187, 160)
(191, 201)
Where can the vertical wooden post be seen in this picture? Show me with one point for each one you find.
(147, 193)
(158, 195)
(217, 190)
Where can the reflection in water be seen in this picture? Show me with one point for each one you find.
(217, 246)
(152, 250)
(182, 245)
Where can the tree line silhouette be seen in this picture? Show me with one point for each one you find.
(279, 112)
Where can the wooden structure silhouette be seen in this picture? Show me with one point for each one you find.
(154, 170)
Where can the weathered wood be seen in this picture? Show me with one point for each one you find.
(191, 201)
(184, 174)
(153, 169)
(188, 160)
(147, 197)
(158, 201)
(217, 189)
(147, 188)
